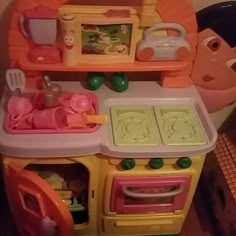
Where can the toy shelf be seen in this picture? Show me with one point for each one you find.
(124, 67)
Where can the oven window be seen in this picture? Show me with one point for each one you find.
(160, 195)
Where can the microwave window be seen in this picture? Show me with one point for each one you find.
(111, 39)
(157, 200)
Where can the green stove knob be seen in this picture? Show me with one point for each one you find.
(119, 82)
(156, 163)
(184, 162)
(95, 80)
(127, 164)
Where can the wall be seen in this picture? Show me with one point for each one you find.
(217, 117)
(3, 4)
(198, 4)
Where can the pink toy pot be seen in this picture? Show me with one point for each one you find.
(53, 118)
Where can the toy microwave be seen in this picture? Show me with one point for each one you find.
(98, 38)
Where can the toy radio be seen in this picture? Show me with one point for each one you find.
(157, 48)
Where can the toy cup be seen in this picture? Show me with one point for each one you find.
(53, 118)
(25, 122)
(18, 106)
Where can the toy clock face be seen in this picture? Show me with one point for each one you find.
(37, 209)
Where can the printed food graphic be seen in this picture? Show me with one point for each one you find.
(106, 39)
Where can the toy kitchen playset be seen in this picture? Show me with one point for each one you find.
(90, 160)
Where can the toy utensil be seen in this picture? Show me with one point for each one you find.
(54, 87)
(18, 106)
(81, 120)
(16, 81)
(52, 93)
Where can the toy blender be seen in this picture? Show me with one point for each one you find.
(39, 24)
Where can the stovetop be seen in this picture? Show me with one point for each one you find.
(145, 126)
(134, 126)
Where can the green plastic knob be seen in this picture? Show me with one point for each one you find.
(95, 80)
(128, 164)
(184, 162)
(119, 82)
(156, 163)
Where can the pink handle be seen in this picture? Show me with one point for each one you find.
(172, 193)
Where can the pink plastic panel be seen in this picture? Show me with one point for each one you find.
(89, 129)
(148, 185)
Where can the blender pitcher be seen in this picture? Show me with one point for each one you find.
(39, 24)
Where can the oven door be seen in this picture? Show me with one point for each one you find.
(137, 195)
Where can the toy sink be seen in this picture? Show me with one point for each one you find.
(25, 124)
(154, 125)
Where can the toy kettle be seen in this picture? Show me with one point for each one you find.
(155, 47)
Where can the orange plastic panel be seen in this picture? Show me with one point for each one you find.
(21, 40)
(33, 200)
(184, 14)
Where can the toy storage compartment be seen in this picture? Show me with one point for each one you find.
(71, 182)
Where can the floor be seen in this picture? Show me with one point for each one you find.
(197, 223)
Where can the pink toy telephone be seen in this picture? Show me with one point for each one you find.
(158, 48)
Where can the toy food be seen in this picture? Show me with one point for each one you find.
(77, 186)
(52, 178)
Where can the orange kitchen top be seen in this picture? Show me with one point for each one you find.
(144, 121)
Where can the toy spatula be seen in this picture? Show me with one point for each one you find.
(16, 81)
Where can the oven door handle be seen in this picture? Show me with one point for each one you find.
(172, 193)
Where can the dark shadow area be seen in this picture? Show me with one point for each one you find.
(7, 226)
(4, 55)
